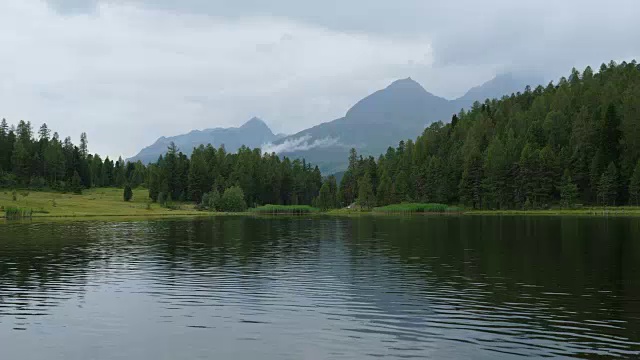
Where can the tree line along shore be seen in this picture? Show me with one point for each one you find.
(567, 147)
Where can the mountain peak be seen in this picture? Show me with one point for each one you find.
(254, 121)
(256, 125)
(406, 83)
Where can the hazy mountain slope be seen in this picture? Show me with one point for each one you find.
(400, 111)
(253, 133)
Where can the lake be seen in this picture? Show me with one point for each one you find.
(321, 288)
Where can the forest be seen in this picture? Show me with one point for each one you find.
(571, 143)
(44, 162)
(565, 144)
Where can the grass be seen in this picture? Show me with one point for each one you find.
(417, 208)
(97, 202)
(15, 213)
(284, 209)
(582, 211)
(104, 203)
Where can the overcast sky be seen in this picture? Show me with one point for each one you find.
(130, 71)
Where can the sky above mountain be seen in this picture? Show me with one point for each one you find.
(130, 71)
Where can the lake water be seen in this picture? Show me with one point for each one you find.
(321, 288)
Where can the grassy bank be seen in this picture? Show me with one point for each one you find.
(414, 208)
(102, 202)
(284, 209)
(584, 211)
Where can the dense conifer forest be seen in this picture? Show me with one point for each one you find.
(574, 142)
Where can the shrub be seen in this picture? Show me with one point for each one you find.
(210, 201)
(232, 200)
(14, 195)
(128, 193)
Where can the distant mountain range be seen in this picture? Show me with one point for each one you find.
(254, 133)
(400, 111)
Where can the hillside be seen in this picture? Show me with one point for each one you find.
(397, 112)
(574, 142)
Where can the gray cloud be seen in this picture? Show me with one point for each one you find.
(129, 71)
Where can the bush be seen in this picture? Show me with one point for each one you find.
(128, 193)
(210, 201)
(232, 200)
(76, 184)
(14, 195)
(37, 183)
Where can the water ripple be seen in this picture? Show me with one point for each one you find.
(313, 288)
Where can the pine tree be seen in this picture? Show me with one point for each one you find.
(568, 191)
(128, 193)
(44, 133)
(84, 145)
(366, 197)
(634, 186)
(76, 183)
(324, 200)
(385, 194)
(607, 187)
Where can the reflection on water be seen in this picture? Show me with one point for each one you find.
(291, 288)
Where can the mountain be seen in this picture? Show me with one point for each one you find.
(400, 111)
(253, 134)
(503, 84)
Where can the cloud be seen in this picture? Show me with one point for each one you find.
(298, 144)
(128, 74)
(130, 71)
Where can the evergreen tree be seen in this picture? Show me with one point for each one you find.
(128, 193)
(607, 187)
(324, 200)
(44, 133)
(84, 145)
(385, 194)
(634, 186)
(568, 191)
(366, 197)
(76, 183)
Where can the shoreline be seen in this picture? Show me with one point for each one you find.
(107, 204)
(185, 214)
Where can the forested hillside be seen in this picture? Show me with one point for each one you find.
(574, 142)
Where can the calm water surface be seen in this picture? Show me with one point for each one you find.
(321, 288)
